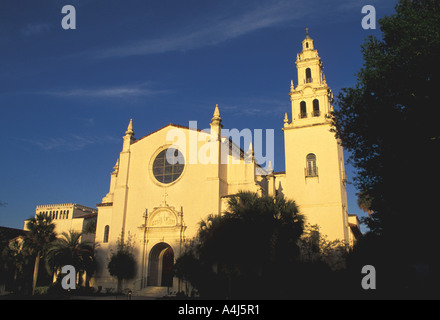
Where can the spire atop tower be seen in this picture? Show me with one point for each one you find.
(129, 136)
(307, 42)
(251, 149)
(216, 116)
(249, 155)
(216, 124)
(130, 128)
(286, 120)
(307, 34)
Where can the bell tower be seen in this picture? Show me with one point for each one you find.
(311, 100)
(315, 173)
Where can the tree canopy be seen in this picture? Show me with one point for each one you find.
(37, 240)
(122, 264)
(250, 251)
(388, 122)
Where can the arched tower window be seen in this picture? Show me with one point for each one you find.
(316, 112)
(311, 168)
(308, 75)
(303, 110)
(106, 233)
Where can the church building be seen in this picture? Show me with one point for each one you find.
(162, 185)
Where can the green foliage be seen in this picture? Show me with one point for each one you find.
(388, 122)
(315, 247)
(37, 240)
(68, 249)
(245, 251)
(122, 264)
(91, 225)
(41, 233)
(41, 290)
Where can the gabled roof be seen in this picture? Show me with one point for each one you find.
(231, 143)
(168, 125)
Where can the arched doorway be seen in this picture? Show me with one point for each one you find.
(160, 265)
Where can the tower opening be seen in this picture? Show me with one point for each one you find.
(316, 112)
(303, 110)
(308, 75)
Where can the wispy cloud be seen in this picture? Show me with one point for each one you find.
(34, 29)
(212, 31)
(215, 28)
(108, 92)
(257, 107)
(73, 142)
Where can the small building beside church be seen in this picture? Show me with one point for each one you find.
(70, 217)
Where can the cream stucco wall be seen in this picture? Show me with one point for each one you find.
(197, 193)
(322, 198)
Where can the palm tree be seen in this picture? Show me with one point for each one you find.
(273, 223)
(41, 233)
(68, 249)
(254, 241)
(364, 202)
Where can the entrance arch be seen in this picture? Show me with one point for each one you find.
(160, 265)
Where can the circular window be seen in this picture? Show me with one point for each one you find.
(168, 165)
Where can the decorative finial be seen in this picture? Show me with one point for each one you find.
(269, 167)
(216, 112)
(292, 88)
(130, 128)
(307, 34)
(216, 119)
(116, 167)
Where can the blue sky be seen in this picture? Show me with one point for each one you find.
(66, 96)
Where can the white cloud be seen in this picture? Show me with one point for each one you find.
(108, 92)
(259, 107)
(34, 29)
(215, 28)
(212, 31)
(73, 142)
